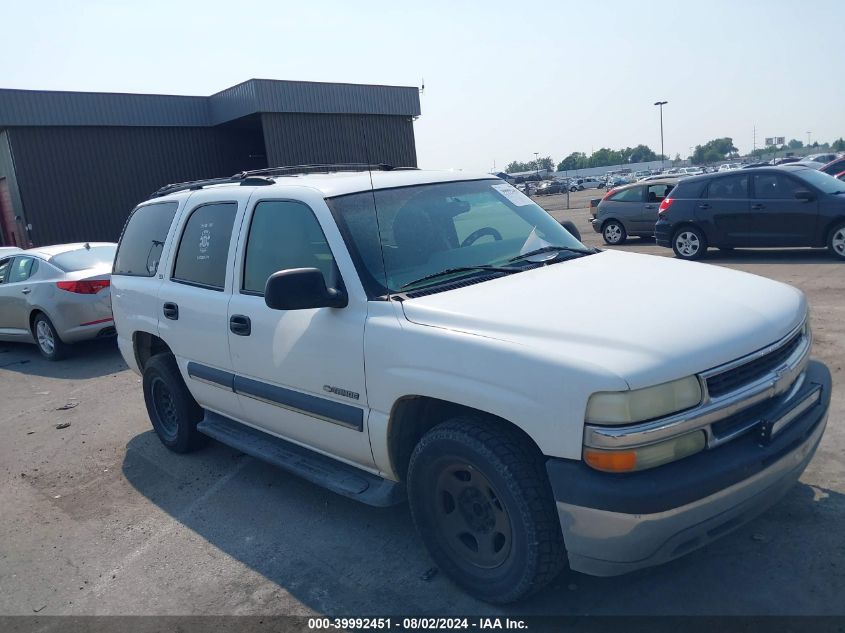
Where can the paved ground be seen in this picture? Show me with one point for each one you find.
(98, 518)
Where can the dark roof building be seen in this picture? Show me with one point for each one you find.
(74, 164)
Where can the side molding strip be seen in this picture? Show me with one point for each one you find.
(212, 376)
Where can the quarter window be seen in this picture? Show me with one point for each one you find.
(143, 238)
(729, 188)
(204, 247)
(284, 235)
(634, 194)
(656, 193)
(774, 187)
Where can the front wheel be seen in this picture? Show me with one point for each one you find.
(689, 243)
(836, 241)
(483, 506)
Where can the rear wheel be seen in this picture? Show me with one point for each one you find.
(836, 241)
(171, 407)
(49, 343)
(483, 506)
(689, 243)
(614, 233)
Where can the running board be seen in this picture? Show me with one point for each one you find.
(319, 469)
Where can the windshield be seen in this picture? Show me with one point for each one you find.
(426, 229)
(820, 180)
(83, 258)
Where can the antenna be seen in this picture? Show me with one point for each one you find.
(375, 209)
(422, 87)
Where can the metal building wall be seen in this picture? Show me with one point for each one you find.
(7, 171)
(80, 183)
(299, 139)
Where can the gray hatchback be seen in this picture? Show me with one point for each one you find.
(631, 210)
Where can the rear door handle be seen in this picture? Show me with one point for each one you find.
(171, 311)
(758, 206)
(240, 324)
(651, 206)
(704, 205)
(26, 291)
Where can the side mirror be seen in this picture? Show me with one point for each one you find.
(573, 230)
(806, 196)
(301, 289)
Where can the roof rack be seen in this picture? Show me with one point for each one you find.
(259, 177)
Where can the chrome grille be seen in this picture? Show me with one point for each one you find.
(732, 379)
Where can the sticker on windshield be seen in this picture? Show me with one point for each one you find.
(512, 194)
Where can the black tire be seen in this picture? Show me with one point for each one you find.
(689, 243)
(573, 189)
(47, 339)
(474, 482)
(172, 409)
(836, 241)
(613, 232)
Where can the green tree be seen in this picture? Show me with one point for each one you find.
(795, 144)
(532, 165)
(713, 151)
(838, 145)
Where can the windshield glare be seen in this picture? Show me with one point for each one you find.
(426, 229)
(821, 180)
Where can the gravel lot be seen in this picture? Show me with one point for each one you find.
(99, 518)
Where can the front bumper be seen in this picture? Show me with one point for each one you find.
(614, 524)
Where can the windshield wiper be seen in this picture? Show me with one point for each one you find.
(461, 269)
(550, 249)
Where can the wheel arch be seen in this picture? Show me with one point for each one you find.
(412, 416)
(146, 345)
(828, 229)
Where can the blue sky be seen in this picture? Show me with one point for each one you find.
(503, 80)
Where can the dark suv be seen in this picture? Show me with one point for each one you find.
(788, 206)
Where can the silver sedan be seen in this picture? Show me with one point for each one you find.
(54, 296)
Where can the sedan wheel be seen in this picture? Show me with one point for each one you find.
(45, 338)
(49, 343)
(837, 241)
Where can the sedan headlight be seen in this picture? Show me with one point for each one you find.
(627, 407)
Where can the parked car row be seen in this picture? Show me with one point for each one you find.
(787, 206)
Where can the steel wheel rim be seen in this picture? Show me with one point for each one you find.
(838, 242)
(687, 243)
(165, 407)
(471, 517)
(613, 233)
(45, 337)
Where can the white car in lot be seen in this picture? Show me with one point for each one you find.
(579, 184)
(439, 338)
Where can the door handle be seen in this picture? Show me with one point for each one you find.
(26, 291)
(240, 324)
(171, 311)
(758, 206)
(651, 206)
(704, 205)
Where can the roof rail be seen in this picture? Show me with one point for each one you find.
(257, 177)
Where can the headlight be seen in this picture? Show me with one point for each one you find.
(651, 456)
(626, 407)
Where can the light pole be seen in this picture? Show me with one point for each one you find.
(537, 163)
(808, 139)
(660, 104)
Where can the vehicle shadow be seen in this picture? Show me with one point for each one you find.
(89, 359)
(771, 256)
(342, 558)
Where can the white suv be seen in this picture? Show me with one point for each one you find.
(438, 337)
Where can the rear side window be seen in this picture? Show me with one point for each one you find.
(656, 193)
(143, 238)
(634, 194)
(83, 258)
(204, 248)
(284, 235)
(729, 187)
(774, 187)
(5, 266)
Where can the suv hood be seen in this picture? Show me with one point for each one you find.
(647, 319)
